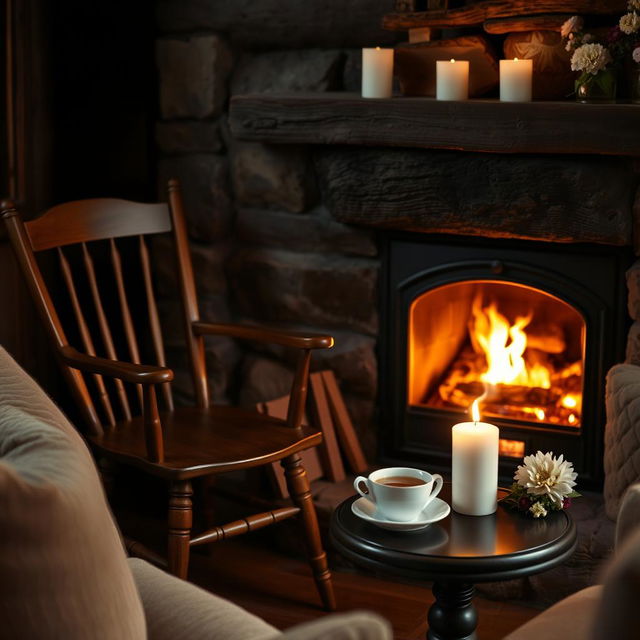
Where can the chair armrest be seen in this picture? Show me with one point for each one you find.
(127, 371)
(260, 334)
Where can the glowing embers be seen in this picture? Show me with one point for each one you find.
(519, 348)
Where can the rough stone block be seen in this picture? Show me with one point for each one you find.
(314, 231)
(633, 344)
(352, 74)
(193, 75)
(282, 23)
(633, 285)
(263, 380)
(562, 199)
(212, 309)
(222, 357)
(208, 266)
(174, 138)
(205, 189)
(268, 176)
(273, 285)
(278, 71)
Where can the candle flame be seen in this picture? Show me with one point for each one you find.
(452, 60)
(515, 59)
(377, 48)
(475, 410)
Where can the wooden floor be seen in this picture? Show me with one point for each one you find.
(279, 589)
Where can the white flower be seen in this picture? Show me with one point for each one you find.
(587, 38)
(544, 475)
(633, 5)
(538, 510)
(636, 53)
(630, 23)
(575, 23)
(590, 58)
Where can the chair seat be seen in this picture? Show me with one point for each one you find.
(203, 441)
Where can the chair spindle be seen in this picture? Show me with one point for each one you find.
(85, 334)
(105, 330)
(154, 320)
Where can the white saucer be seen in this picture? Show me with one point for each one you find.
(436, 510)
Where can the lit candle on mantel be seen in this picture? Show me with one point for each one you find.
(515, 80)
(452, 79)
(377, 73)
(474, 466)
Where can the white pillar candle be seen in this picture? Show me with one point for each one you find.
(377, 73)
(452, 79)
(515, 80)
(474, 467)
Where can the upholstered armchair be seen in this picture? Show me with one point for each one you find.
(608, 611)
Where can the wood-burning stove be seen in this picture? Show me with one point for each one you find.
(530, 327)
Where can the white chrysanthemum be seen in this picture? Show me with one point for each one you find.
(575, 23)
(630, 23)
(544, 475)
(590, 58)
(633, 5)
(537, 510)
(636, 54)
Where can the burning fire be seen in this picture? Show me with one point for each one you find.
(519, 367)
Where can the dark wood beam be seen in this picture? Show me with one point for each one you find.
(476, 14)
(475, 125)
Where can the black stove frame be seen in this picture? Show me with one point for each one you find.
(589, 278)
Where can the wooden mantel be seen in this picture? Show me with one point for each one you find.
(476, 125)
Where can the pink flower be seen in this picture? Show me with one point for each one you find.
(524, 503)
(636, 55)
(566, 503)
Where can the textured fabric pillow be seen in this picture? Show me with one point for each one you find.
(629, 516)
(617, 614)
(178, 610)
(622, 435)
(63, 570)
(569, 619)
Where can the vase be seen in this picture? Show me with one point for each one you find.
(599, 88)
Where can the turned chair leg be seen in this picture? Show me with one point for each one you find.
(300, 493)
(180, 520)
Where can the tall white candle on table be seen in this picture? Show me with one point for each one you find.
(377, 73)
(515, 80)
(474, 466)
(452, 79)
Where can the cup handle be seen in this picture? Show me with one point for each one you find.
(437, 485)
(356, 485)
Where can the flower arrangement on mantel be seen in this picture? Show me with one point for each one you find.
(542, 484)
(599, 60)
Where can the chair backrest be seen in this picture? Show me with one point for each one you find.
(87, 236)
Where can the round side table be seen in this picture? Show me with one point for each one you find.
(457, 553)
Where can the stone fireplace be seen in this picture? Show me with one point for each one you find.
(298, 201)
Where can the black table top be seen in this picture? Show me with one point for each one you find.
(473, 549)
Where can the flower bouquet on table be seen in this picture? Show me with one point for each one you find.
(542, 484)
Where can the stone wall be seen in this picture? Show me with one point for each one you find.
(265, 248)
(284, 235)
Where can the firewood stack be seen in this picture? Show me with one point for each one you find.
(485, 31)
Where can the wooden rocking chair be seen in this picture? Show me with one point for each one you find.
(177, 444)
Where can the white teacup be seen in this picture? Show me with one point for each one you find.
(399, 493)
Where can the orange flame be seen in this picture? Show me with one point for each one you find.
(475, 410)
(504, 345)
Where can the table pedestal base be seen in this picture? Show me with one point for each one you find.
(452, 616)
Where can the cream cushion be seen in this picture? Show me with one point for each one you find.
(178, 610)
(63, 570)
(569, 619)
(617, 613)
(622, 435)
